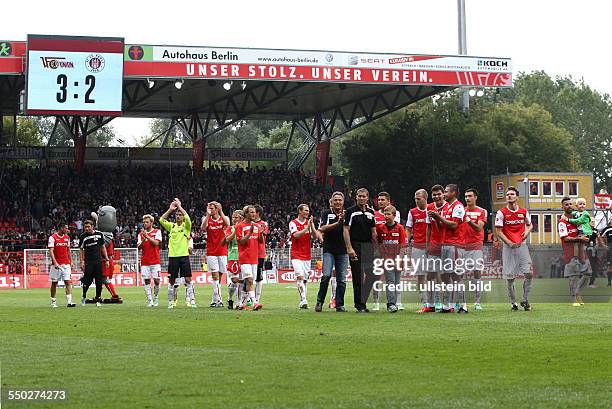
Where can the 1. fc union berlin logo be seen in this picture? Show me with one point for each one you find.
(94, 63)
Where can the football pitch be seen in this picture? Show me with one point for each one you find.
(131, 356)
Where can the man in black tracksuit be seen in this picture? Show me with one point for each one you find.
(359, 238)
(91, 243)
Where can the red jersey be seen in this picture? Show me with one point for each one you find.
(263, 226)
(512, 223)
(248, 252)
(150, 253)
(214, 238)
(454, 212)
(436, 238)
(300, 247)
(473, 239)
(391, 239)
(566, 229)
(417, 223)
(60, 246)
(379, 217)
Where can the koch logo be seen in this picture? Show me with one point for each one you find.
(56, 62)
(492, 63)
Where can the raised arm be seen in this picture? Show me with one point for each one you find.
(163, 220)
(204, 224)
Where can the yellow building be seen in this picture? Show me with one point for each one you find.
(541, 193)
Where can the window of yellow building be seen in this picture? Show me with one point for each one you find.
(534, 188)
(547, 223)
(573, 187)
(535, 222)
(559, 188)
(546, 188)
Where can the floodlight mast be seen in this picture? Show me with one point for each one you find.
(465, 98)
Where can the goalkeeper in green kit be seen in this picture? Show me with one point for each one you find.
(178, 250)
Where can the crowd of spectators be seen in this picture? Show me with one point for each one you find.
(35, 199)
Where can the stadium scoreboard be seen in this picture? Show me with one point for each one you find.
(74, 75)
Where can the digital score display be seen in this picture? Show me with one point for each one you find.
(74, 75)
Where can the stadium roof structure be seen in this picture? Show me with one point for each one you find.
(205, 89)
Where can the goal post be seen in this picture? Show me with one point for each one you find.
(37, 262)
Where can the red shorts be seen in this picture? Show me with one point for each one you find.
(233, 267)
(108, 271)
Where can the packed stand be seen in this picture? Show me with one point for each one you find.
(33, 200)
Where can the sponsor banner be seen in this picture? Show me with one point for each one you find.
(314, 276)
(161, 154)
(22, 152)
(299, 65)
(61, 154)
(145, 154)
(279, 155)
(119, 279)
(270, 277)
(10, 281)
(318, 73)
(197, 277)
(12, 57)
(499, 190)
(100, 154)
(603, 201)
(106, 153)
(306, 58)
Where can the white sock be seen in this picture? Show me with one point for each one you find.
(301, 287)
(170, 293)
(231, 290)
(175, 292)
(53, 299)
(244, 295)
(239, 293)
(333, 286)
(217, 285)
(190, 293)
(252, 295)
(258, 290)
(69, 298)
(147, 288)
(214, 292)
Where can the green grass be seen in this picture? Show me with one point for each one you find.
(124, 356)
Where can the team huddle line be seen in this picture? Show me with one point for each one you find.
(447, 243)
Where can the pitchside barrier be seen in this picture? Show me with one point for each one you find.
(547, 263)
